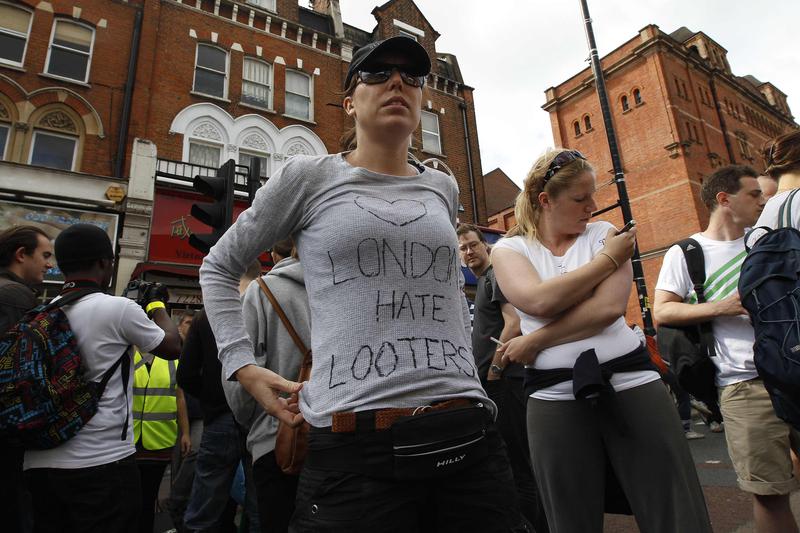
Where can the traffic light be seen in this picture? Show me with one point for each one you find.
(219, 213)
(253, 178)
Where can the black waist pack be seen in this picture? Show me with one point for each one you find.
(439, 443)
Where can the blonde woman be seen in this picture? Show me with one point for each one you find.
(595, 402)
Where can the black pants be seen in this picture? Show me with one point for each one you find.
(331, 500)
(98, 499)
(151, 472)
(509, 396)
(276, 493)
(15, 501)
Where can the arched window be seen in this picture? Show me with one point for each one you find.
(576, 126)
(70, 52)
(624, 101)
(55, 140)
(637, 96)
(587, 123)
(15, 27)
(6, 120)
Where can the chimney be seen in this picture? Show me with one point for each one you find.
(331, 7)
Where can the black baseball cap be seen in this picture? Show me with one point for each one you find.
(364, 57)
(82, 242)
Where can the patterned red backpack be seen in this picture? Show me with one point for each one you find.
(44, 398)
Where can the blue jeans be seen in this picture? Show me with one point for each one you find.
(217, 460)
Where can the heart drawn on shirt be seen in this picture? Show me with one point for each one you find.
(397, 213)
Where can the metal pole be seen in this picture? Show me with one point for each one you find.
(619, 177)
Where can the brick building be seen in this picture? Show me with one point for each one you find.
(500, 203)
(112, 107)
(679, 113)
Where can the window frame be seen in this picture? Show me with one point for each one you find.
(270, 83)
(226, 78)
(30, 12)
(624, 101)
(576, 128)
(438, 133)
(4, 149)
(310, 117)
(51, 44)
(204, 142)
(257, 3)
(587, 123)
(637, 97)
(255, 153)
(75, 138)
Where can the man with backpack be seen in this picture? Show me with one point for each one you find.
(25, 256)
(758, 442)
(90, 483)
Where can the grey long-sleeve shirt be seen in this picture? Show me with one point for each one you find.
(389, 321)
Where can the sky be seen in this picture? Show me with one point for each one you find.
(510, 51)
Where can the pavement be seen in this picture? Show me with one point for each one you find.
(730, 509)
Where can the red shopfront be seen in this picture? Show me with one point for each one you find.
(170, 259)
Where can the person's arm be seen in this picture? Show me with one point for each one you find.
(183, 422)
(190, 368)
(170, 347)
(525, 290)
(669, 309)
(510, 331)
(277, 211)
(585, 320)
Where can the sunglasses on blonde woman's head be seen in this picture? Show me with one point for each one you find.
(374, 77)
(560, 161)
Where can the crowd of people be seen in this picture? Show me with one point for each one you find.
(541, 414)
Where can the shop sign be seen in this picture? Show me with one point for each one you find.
(172, 224)
(52, 220)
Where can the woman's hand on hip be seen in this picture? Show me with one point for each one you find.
(265, 385)
(520, 349)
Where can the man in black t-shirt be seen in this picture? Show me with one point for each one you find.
(495, 317)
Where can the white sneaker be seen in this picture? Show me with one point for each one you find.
(716, 427)
(700, 406)
(692, 435)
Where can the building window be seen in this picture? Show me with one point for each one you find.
(246, 158)
(696, 135)
(407, 34)
(587, 123)
(298, 94)
(263, 4)
(685, 92)
(70, 50)
(206, 155)
(744, 146)
(678, 87)
(431, 140)
(15, 26)
(257, 83)
(211, 71)
(576, 126)
(624, 101)
(637, 97)
(4, 135)
(53, 150)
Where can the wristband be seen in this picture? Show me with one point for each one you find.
(154, 305)
(611, 258)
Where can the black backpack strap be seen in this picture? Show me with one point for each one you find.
(125, 363)
(785, 212)
(696, 265)
(71, 297)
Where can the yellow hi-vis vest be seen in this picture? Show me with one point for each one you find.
(155, 409)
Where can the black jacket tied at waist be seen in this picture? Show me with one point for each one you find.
(589, 378)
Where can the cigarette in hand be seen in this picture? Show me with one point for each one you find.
(496, 341)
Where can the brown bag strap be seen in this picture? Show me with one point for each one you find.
(288, 325)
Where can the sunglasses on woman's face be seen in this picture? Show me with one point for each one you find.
(560, 161)
(380, 76)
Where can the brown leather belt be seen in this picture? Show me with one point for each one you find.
(345, 422)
